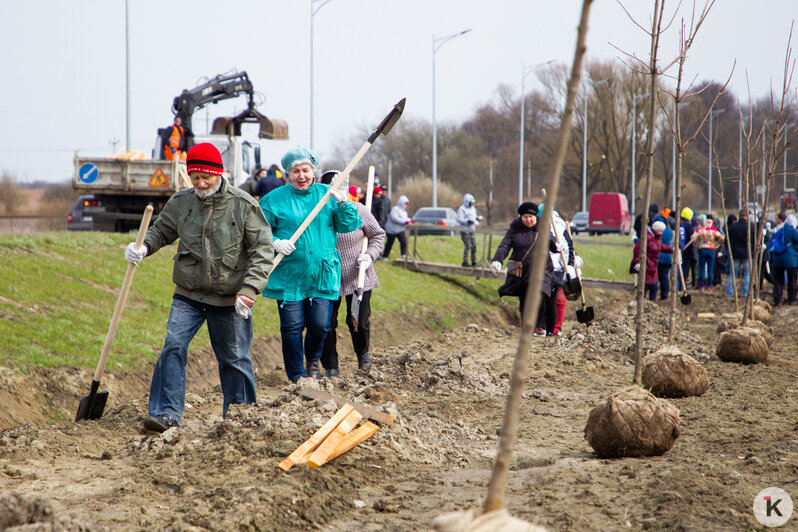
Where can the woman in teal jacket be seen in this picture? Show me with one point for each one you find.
(306, 282)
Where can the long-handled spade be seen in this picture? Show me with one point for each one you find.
(685, 298)
(586, 315)
(383, 129)
(93, 405)
(357, 297)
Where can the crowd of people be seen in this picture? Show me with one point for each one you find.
(324, 241)
(711, 250)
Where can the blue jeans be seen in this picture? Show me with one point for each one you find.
(706, 260)
(312, 314)
(746, 276)
(231, 336)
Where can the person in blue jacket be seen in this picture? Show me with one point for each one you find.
(785, 260)
(306, 282)
(665, 259)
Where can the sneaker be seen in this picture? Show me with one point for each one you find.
(332, 372)
(554, 333)
(540, 332)
(160, 423)
(313, 369)
(465, 265)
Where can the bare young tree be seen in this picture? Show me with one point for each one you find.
(12, 197)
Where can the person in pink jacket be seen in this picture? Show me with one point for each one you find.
(653, 246)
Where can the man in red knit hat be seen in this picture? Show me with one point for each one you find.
(223, 260)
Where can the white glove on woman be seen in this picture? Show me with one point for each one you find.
(342, 192)
(133, 255)
(637, 267)
(570, 271)
(496, 266)
(561, 246)
(284, 246)
(242, 309)
(365, 257)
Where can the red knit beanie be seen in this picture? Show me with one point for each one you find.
(205, 158)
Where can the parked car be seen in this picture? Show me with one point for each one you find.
(580, 222)
(444, 217)
(609, 213)
(80, 217)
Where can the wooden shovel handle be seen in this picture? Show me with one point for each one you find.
(120, 302)
(582, 291)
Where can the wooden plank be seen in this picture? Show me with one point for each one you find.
(325, 449)
(301, 453)
(446, 269)
(367, 412)
(356, 437)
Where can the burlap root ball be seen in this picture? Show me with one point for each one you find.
(729, 321)
(471, 521)
(632, 422)
(761, 314)
(733, 321)
(670, 373)
(745, 345)
(764, 304)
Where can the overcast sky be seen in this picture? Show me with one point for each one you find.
(63, 62)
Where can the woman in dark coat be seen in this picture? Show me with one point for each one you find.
(520, 238)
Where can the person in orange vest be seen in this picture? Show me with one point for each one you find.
(175, 141)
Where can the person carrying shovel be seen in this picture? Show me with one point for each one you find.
(349, 246)
(223, 260)
(307, 281)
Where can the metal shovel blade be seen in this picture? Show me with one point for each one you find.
(355, 310)
(92, 405)
(572, 288)
(686, 298)
(585, 315)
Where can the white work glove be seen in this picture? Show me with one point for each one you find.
(342, 192)
(133, 255)
(242, 309)
(570, 271)
(578, 262)
(365, 257)
(284, 246)
(561, 246)
(496, 266)
(637, 267)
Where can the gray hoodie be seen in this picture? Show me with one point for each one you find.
(467, 214)
(398, 217)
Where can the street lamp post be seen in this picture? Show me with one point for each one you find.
(634, 146)
(436, 44)
(313, 11)
(584, 147)
(525, 70)
(712, 113)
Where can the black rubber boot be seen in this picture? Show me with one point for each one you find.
(363, 359)
(332, 372)
(313, 369)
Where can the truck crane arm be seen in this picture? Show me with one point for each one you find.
(221, 87)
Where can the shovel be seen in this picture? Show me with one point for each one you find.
(361, 273)
(585, 315)
(93, 405)
(572, 288)
(685, 298)
(383, 129)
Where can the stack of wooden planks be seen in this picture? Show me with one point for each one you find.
(333, 439)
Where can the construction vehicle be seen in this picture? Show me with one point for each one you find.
(125, 183)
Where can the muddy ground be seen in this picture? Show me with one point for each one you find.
(448, 395)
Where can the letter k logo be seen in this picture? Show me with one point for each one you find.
(772, 507)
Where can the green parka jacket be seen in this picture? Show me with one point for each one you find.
(225, 246)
